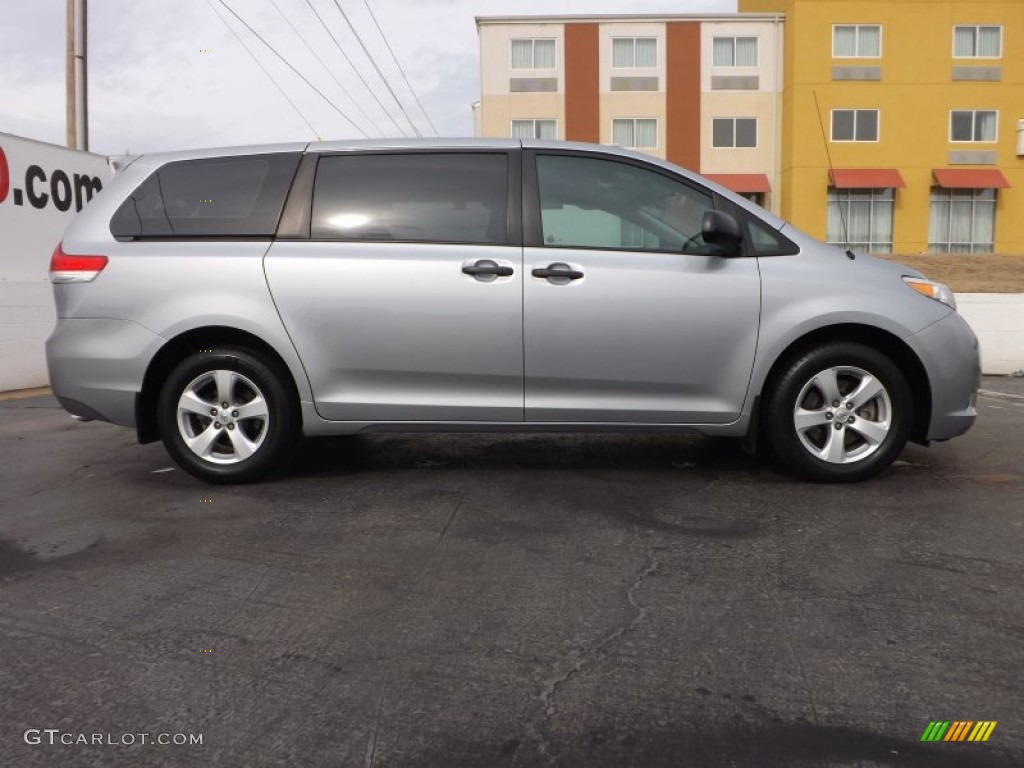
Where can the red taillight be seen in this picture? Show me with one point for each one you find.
(66, 268)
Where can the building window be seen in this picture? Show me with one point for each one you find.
(637, 133)
(861, 219)
(977, 42)
(962, 221)
(534, 129)
(856, 41)
(634, 52)
(735, 52)
(973, 125)
(734, 132)
(854, 125)
(533, 54)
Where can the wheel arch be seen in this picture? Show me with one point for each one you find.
(877, 338)
(187, 343)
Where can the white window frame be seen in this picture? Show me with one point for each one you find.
(974, 123)
(757, 132)
(841, 196)
(973, 247)
(855, 140)
(634, 38)
(533, 54)
(534, 120)
(657, 131)
(734, 38)
(977, 31)
(881, 41)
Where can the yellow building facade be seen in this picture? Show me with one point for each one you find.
(903, 122)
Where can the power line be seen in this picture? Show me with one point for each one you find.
(397, 64)
(323, 64)
(265, 70)
(373, 61)
(337, 45)
(288, 64)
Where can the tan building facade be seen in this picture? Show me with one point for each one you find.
(700, 91)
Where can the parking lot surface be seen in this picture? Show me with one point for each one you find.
(500, 600)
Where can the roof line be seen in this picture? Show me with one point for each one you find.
(629, 17)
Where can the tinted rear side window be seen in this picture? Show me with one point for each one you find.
(436, 197)
(214, 197)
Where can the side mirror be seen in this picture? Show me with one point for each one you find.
(721, 230)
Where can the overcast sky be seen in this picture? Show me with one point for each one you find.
(154, 86)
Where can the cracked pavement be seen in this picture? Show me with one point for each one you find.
(503, 600)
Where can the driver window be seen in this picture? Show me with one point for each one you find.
(594, 203)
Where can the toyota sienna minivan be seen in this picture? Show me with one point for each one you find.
(227, 301)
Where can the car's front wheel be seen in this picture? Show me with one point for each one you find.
(226, 416)
(840, 412)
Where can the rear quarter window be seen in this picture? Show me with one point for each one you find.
(212, 197)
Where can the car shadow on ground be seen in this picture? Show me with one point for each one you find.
(590, 452)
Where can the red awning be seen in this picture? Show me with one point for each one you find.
(970, 178)
(866, 178)
(741, 182)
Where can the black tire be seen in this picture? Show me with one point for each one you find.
(228, 459)
(864, 458)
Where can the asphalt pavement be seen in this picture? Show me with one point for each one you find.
(508, 600)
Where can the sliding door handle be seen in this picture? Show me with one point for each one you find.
(486, 267)
(556, 271)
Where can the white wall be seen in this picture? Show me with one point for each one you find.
(37, 180)
(998, 320)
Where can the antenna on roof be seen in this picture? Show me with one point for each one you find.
(831, 171)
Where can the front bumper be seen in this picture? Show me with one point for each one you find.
(951, 357)
(97, 366)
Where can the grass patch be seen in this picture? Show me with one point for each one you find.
(981, 273)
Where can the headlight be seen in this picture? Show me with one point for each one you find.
(932, 290)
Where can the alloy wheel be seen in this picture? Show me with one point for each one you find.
(843, 414)
(223, 417)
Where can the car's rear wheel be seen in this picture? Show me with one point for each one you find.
(226, 416)
(840, 412)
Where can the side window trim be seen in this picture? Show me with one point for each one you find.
(299, 206)
(297, 216)
(533, 229)
(515, 198)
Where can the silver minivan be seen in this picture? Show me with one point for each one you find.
(226, 301)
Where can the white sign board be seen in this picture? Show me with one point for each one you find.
(42, 187)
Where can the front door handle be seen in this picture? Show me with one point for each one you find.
(558, 270)
(486, 267)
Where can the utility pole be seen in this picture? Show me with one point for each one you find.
(77, 94)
